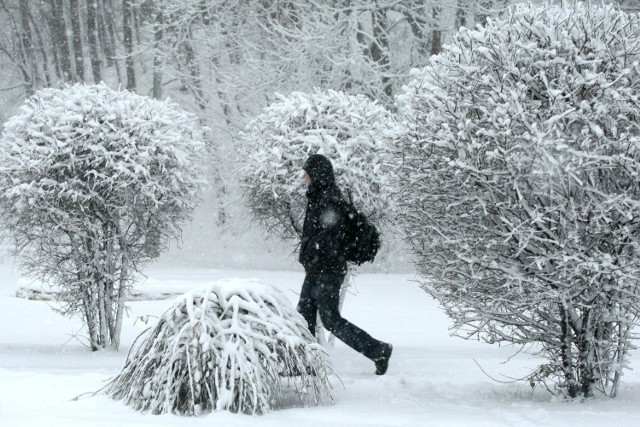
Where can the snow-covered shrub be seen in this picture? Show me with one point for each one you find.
(519, 184)
(93, 183)
(351, 130)
(235, 345)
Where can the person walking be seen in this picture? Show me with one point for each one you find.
(322, 254)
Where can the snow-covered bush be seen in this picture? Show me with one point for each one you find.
(519, 184)
(93, 182)
(236, 345)
(351, 130)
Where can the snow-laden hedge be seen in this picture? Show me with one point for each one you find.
(519, 182)
(236, 345)
(351, 130)
(93, 182)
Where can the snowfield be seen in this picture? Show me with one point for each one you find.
(433, 379)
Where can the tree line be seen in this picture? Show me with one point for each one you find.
(46, 43)
(225, 59)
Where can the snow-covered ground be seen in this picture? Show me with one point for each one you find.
(433, 379)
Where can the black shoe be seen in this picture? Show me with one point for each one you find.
(382, 363)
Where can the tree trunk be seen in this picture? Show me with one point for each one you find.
(194, 83)
(76, 30)
(436, 33)
(380, 48)
(620, 353)
(461, 15)
(221, 188)
(586, 357)
(415, 17)
(106, 31)
(102, 308)
(122, 285)
(127, 21)
(46, 72)
(135, 16)
(88, 307)
(566, 354)
(59, 34)
(157, 60)
(120, 302)
(27, 51)
(481, 12)
(92, 33)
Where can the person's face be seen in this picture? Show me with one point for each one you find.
(307, 178)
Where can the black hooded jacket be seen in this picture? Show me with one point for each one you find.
(322, 248)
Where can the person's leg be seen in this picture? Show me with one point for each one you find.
(328, 305)
(307, 305)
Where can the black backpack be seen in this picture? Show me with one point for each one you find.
(361, 239)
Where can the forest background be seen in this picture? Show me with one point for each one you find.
(225, 60)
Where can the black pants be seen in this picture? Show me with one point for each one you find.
(321, 293)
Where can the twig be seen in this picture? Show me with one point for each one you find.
(513, 380)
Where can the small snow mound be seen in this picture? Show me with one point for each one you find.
(235, 345)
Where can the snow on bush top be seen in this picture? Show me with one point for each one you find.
(101, 137)
(548, 93)
(351, 130)
(547, 72)
(87, 160)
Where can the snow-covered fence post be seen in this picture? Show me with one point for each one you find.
(518, 182)
(235, 345)
(351, 130)
(93, 183)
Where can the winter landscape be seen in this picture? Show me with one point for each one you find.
(433, 380)
(493, 147)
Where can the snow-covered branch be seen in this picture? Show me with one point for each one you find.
(518, 180)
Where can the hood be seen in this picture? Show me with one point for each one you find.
(320, 170)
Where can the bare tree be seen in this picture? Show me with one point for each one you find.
(251, 51)
(127, 25)
(51, 42)
(157, 59)
(380, 47)
(17, 44)
(58, 25)
(108, 31)
(27, 50)
(483, 9)
(76, 39)
(93, 38)
(461, 16)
